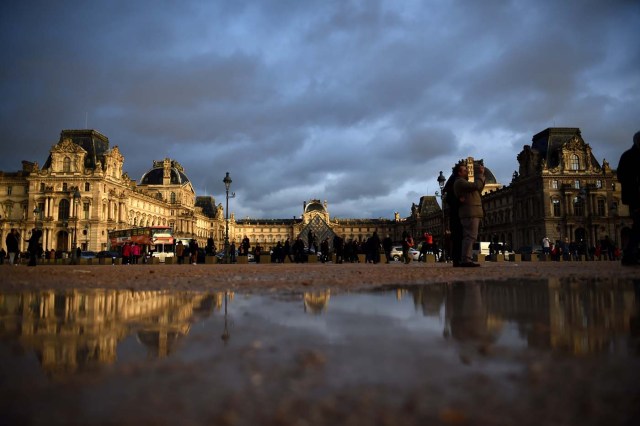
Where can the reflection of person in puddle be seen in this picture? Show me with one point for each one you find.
(467, 317)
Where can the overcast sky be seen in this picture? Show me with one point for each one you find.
(360, 103)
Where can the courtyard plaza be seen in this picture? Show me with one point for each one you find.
(528, 343)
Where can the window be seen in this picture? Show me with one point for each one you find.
(598, 184)
(64, 186)
(576, 184)
(601, 207)
(87, 186)
(9, 190)
(578, 206)
(63, 210)
(575, 162)
(85, 210)
(556, 207)
(41, 186)
(66, 165)
(173, 198)
(554, 184)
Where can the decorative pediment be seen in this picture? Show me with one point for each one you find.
(67, 147)
(576, 143)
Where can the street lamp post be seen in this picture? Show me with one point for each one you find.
(76, 200)
(227, 184)
(441, 182)
(86, 236)
(36, 213)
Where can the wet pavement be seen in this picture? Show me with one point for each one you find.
(557, 350)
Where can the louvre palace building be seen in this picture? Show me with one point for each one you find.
(82, 192)
(559, 191)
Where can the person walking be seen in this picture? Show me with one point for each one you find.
(13, 241)
(629, 178)
(455, 226)
(470, 210)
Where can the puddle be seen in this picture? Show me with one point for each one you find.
(123, 355)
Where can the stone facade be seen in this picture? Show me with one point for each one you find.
(560, 191)
(81, 193)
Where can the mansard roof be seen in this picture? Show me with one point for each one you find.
(551, 142)
(93, 142)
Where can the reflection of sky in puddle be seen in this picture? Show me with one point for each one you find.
(83, 330)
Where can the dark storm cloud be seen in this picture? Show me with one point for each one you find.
(360, 103)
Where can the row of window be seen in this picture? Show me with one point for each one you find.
(65, 186)
(555, 184)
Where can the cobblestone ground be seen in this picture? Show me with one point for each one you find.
(288, 383)
(271, 277)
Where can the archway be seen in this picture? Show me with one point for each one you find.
(62, 241)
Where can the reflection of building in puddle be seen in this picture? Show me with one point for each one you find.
(585, 317)
(316, 302)
(574, 316)
(79, 330)
(569, 315)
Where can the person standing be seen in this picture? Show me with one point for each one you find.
(3, 254)
(193, 251)
(387, 245)
(232, 252)
(13, 241)
(629, 178)
(338, 246)
(287, 250)
(180, 252)
(374, 248)
(546, 245)
(470, 211)
(126, 254)
(455, 226)
(34, 246)
(245, 245)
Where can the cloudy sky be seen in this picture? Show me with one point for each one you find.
(360, 103)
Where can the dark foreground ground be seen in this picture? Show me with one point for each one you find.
(268, 364)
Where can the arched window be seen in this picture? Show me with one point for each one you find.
(575, 162)
(63, 210)
(66, 165)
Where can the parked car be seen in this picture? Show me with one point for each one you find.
(220, 256)
(108, 254)
(87, 255)
(535, 249)
(396, 253)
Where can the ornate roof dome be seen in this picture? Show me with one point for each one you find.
(156, 175)
(314, 205)
(489, 177)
